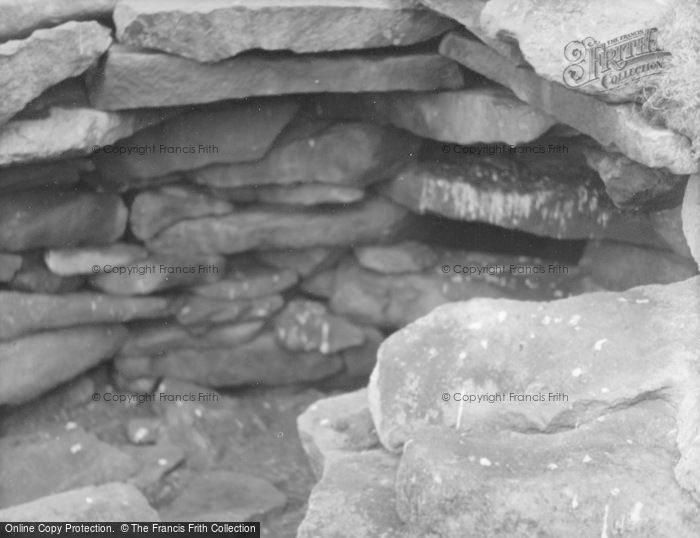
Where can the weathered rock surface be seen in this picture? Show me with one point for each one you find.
(29, 66)
(22, 313)
(199, 310)
(603, 351)
(247, 279)
(304, 195)
(31, 219)
(306, 325)
(610, 477)
(280, 227)
(9, 265)
(261, 361)
(153, 211)
(544, 32)
(232, 133)
(113, 501)
(225, 496)
(77, 459)
(158, 273)
(36, 363)
(554, 202)
(404, 257)
(629, 184)
(465, 116)
(67, 132)
(619, 266)
(21, 17)
(619, 127)
(209, 33)
(351, 154)
(160, 337)
(132, 79)
(81, 261)
(690, 214)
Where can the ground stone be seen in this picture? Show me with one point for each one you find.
(209, 33)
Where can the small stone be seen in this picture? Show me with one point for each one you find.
(82, 261)
(405, 257)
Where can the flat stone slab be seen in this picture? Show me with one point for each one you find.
(311, 194)
(31, 219)
(132, 78)
(620, 127)
(268, 228)
(68, 132)
(464, 116)
(215, 31)
(31, 365)
(22, 313)
(246, 278)
(603, 478)
(202, 310)
(231, 133)
(348, 154)
(599, 350)
(82, 261)
(48, 175)
(404, 257)
(114, 501)
(21, 17)
(29, 66)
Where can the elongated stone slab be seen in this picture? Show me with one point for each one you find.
(22, 313)
(265, 228)
(36, 363)
(465, 116)
(21, 17)
(68, 132)
(232, 133)
(351, 154)
(310, 194)
(247, 279)
(34, 219)
(216, 30)
(29, 66)
(131, 79)
(621, 127)
(82, 261)
(48, 175)
(200, 310)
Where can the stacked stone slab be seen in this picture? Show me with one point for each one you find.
(255, 194)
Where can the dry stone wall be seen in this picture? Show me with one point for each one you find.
(225, 197)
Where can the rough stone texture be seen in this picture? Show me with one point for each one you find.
(565, 202)
(668, 224)
(79, 459)
(225, 496)
(351, 154)
(109, 502)
(543, 30)
(302, 261)
(213, 32)
(132, 79)
(690, 215)
(29, 66)
(67, 132)
(159, 273)
(610, 478)
(36, 363)
(619, 266)
(232, 133)
(619, 127)
(603, 350)
(9, 265)
(405, 257)
(22, 313)
(160, 337)
(205, 310)
(629, 184)
(306, 325)
(390, 301)
(21, 17)
(248, 279)
(261, 361)
(303, 195)
(465, 116)
(334, 426)
(355, 499)
(153, 211)
(31, 219)
(81, 261)
(269, 228)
